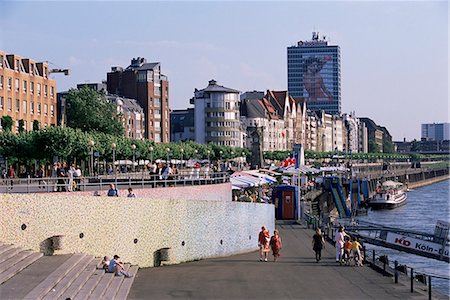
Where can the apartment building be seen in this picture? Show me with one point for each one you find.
(26, 92)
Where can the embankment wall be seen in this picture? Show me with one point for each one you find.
(133, 228)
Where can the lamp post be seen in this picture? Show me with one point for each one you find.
(168, 151)
(113, 147)
(209, 152)
(91, 144)
(151, 155)
(181, 162)
(220, 160)
(232, 156)
(133, 148)
(243, 157)
(196, 154)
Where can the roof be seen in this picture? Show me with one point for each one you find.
(127, 103)
(253, 108)
(143, 67)
(214, 87)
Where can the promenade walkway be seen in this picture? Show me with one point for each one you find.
(295, 276)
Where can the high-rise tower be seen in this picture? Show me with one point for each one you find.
(314, 73)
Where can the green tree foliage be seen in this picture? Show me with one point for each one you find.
(7, 123)
(388, 147)
(373, 147)
(35, 125)
(89, 111)
(21, 126)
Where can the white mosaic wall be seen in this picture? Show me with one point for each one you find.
(133, 228)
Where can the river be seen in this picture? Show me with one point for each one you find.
(425, 206)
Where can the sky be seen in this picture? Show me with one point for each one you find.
(394, 55)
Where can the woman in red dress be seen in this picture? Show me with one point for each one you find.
(275, 244)
(263, 242)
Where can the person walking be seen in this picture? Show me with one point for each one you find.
(339, 242)
(356, 249)
(275, 244)
(318, 244)
(263, 242)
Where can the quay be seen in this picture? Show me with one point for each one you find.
(295, 275)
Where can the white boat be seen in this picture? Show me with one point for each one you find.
(389, 195)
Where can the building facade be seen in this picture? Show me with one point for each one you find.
(182, 125)
(216, 114)
(26, 92)
(144, 82)
(436, 131)
(314, 73)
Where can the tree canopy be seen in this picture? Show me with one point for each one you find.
(89, 111)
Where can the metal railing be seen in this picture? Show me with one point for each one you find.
(101, 183)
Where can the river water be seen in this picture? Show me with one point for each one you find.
(425, 206)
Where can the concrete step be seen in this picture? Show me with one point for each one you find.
(61, 286)
(102, 286)
(80, 281)
(13, 260)
(45, 286)
(4, 248)
(27, 260)
(6, 256)
(114, 286)
(89, 286)
(125, 287)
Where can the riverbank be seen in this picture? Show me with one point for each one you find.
(413, 185)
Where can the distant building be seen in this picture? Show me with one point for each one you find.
(182, 125)
(314, 73)
(217, 118)
(26, 92)
(252, 95)
(378, 136)
(144, 82)
(436, 131)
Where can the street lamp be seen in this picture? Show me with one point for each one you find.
(168, 151)
(220, 160)
(133, 148)
(196, 153)
(243, 157)
(182, 152)
(209, 152)
(113, 147)
(91, 144)
(151, 155)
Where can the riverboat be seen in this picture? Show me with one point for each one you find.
(390, 194)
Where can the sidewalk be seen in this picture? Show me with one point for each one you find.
(295, 275)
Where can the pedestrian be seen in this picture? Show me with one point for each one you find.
(130, 193)
(113, 192)
(339, 242)
(356, 249)
(77, 178)
(55, 175)
(347, 249)
(318, 243)
(263, 243)
(275, 244)
(11, 175)
(70, 176)
(61, 176)
(41, 174)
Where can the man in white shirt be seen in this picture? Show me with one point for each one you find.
(339, 239)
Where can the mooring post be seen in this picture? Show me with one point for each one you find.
(429, 287)
(364, 255)
(395, 271)
(412, 280)
(373, 256)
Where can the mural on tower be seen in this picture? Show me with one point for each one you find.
(316, 68)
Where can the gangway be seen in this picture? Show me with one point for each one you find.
(333, 185)
(419, 243)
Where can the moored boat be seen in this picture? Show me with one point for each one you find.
(390, 194)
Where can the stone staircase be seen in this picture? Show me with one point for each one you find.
(76, 276)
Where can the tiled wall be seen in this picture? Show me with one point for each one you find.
(133, 228)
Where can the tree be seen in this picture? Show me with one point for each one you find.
(373, 147)
(21, 126)
(90, 111)
(7, 123)
(35, 125)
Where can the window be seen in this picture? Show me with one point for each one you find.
(9, 83)
(157, 102)
(38, 107)
(1, 103)
(52, 111)
(45, 90)
(38, 89)
(45, 109)
(1, 61)
(52, 91)
(17, 105)
(31, 87)
(24, 106)
(1, 81)
(31, 69)
(16, 86)
(45, 72)
(24, 86)
(9, 104)
(31, 107)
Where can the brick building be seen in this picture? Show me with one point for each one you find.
(144, 82)
(26, 92)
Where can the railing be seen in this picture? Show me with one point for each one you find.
(100, 183)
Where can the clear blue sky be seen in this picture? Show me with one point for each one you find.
(394, 55)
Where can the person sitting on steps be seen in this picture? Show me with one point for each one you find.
(116, 267)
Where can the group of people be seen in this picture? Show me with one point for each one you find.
(114, 266)
(266, 242)
(68, 177)
(114, 192)
(346, 246)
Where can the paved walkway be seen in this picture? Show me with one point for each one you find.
(295, 276)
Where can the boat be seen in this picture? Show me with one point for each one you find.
(390, 194)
